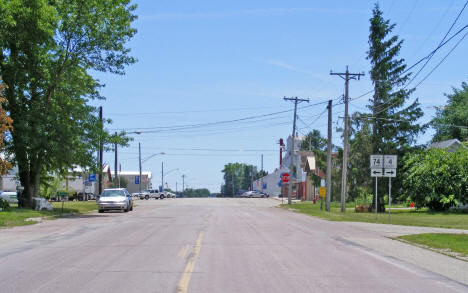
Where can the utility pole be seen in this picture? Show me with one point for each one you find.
(101, 146)
(139, 159)
(162, 176)
(281, 143)
(262, 173)
(329, 159)
(344, 173)
(116, 176)
(233, 185)
(176, 187)
(291, 152)
(183, 184)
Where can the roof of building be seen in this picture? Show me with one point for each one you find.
(445, 144)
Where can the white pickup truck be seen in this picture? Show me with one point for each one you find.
(152, 193)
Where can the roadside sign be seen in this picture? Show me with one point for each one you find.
(377, 172)
(285, 177)
(376, 161)
(390, 173)
(390, 161)
(322, 191)
(92, 177)
(62, 194)
(137, 179)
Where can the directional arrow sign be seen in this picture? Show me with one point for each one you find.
(390, 173)
(376, 172)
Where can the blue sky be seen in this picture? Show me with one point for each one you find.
(208, 61)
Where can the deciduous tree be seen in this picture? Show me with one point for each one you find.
(451, 120)
(5, 129)
(48, 50)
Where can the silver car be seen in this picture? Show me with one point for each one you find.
(115, 199)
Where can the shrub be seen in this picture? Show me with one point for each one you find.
(4, 205)
(437, 179)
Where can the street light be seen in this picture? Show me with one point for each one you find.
(139, 157)
(162, 174)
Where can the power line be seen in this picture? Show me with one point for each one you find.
(198, 125)
(420, 60)
(425, 77)
(403, 120)
(190, 111)
(441, 61)
(431, 55)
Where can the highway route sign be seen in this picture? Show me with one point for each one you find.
(376, 172)
(376, 161)
(390, 173)
(390, 161)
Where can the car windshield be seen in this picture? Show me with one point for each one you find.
(109, 193)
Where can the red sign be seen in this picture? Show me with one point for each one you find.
(285, 177)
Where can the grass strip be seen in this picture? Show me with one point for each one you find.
(18, 217)
(423, 217)
(457, 243)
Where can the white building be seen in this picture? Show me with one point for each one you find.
(303, 162)
(271, 182)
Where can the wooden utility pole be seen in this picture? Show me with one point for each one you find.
(139, 163)
(344, 169)
(183, 184)
(262, 173)
(101, 146)
(116, 176)
(329, 157)
(291, 151)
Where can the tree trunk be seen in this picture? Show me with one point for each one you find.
(30, 180)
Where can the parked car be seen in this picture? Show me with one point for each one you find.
(254, 193)
(115, 199)
(87, 196)
(152, 193)
(10, 196)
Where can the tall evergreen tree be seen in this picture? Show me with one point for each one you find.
(393, 122)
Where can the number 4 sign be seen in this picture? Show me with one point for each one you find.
(390, 161)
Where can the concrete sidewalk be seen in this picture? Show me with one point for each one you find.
(388, 230)
(450, 267)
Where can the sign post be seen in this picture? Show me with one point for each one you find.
(322, 194)
(376, 165)
(390, 165)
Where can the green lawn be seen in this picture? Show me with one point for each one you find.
(17, 217)
(425, 218)
(453, 242)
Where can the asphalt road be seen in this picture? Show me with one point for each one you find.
(205, 245)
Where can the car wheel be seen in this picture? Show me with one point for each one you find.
(146, 197)
(101, 211)
(131, 207)
(161, 197)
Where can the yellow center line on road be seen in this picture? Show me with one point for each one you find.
(183, 251)
(187, 275)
